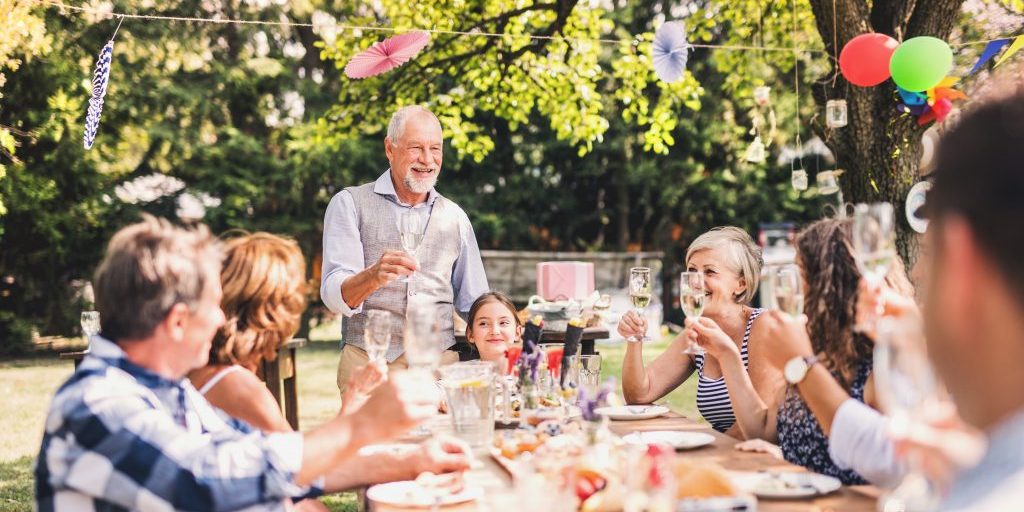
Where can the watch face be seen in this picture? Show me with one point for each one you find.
(795, 370)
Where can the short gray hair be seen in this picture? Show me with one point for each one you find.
(149, 267)
(396, 127)
(744, 255)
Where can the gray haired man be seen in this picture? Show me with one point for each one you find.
(362, 253)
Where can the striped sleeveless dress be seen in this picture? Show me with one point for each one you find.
(712, 395)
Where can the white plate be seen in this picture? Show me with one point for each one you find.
(676, 439)
(774, 484)
(632, 412)
(410, 494)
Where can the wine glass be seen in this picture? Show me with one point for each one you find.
(873, 240)
(691, 297)
(422, 340)
(907, 389)
(787, 289)
(874, 243)
(90, 324)
(640, 295)
(410, 230)
(378, 334)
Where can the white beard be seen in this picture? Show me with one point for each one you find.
(420, 186)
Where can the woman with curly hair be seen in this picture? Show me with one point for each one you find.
(833, 284)
(263, 282)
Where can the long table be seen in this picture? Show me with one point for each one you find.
(489, 475)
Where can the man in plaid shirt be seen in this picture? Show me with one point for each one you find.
(128, 431)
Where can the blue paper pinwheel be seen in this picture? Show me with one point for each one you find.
(670, 50)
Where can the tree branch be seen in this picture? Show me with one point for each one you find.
(934, 18)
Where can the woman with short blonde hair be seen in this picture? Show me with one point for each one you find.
(738, 389)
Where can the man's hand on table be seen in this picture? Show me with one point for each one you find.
(442, 454)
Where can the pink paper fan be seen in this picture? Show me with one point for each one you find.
(387, 54)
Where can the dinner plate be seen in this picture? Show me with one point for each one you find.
(676, 439)
(785, 485)
(410, 494)
(632, 412)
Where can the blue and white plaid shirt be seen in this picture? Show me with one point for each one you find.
(121, 437)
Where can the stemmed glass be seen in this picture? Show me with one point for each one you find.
(90, 324)
(378, 335)
(907, 389)
(873, 242)
(410, 229)
(640, 295)
(422, 341)
(787, 289)
(691, 298)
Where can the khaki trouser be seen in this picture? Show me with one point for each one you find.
(353, 358)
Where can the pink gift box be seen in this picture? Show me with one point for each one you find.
(559, 280)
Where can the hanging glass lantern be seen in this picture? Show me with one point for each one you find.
(835, 113)
(755, 152)
(799, 180)
(827, 183)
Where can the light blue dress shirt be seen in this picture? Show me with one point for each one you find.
(997, 482)
(343, 248)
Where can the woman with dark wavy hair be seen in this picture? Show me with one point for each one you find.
(826, 257)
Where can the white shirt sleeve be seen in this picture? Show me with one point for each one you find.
(342, 252)
(860, 441)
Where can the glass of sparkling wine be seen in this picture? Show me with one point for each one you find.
(640, 294)
(874, 244)
(378, 334)
(422, 341)
(410, 230)
(788, 290)
(691, 297)
(90, 324)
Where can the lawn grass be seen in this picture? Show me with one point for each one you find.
(27, 385)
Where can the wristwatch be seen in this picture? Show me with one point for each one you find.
(796, 369)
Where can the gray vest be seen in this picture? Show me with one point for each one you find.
(440, 248)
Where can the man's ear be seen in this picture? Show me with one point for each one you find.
(176, 321)
(389, 148)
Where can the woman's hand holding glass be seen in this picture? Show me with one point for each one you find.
(632, 326)
(711, 338)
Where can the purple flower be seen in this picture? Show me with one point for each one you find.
(589, 406)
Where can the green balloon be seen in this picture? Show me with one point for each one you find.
(920, 63)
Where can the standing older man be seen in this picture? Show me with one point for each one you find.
(363, 260)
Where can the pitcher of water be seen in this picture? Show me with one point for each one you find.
(470, 389)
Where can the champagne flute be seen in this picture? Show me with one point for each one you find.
(691, 297)
(410, 230)
(874, 243)
(907, 388)
(788, 290)
(640, 295)
(90, 324)
(378, 335)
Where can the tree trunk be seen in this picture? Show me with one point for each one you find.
(880, 147)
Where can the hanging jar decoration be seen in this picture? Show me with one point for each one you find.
(762, 120)
(798, 176)
(835, 113)
(827, 182)
(755, 151)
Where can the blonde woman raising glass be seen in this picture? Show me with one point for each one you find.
(738, 389)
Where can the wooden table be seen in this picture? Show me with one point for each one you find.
(280, 376)
(590, 335)
(487, 474)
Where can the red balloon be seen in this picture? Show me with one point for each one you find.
(864, 60)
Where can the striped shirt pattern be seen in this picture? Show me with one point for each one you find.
(712, 395)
